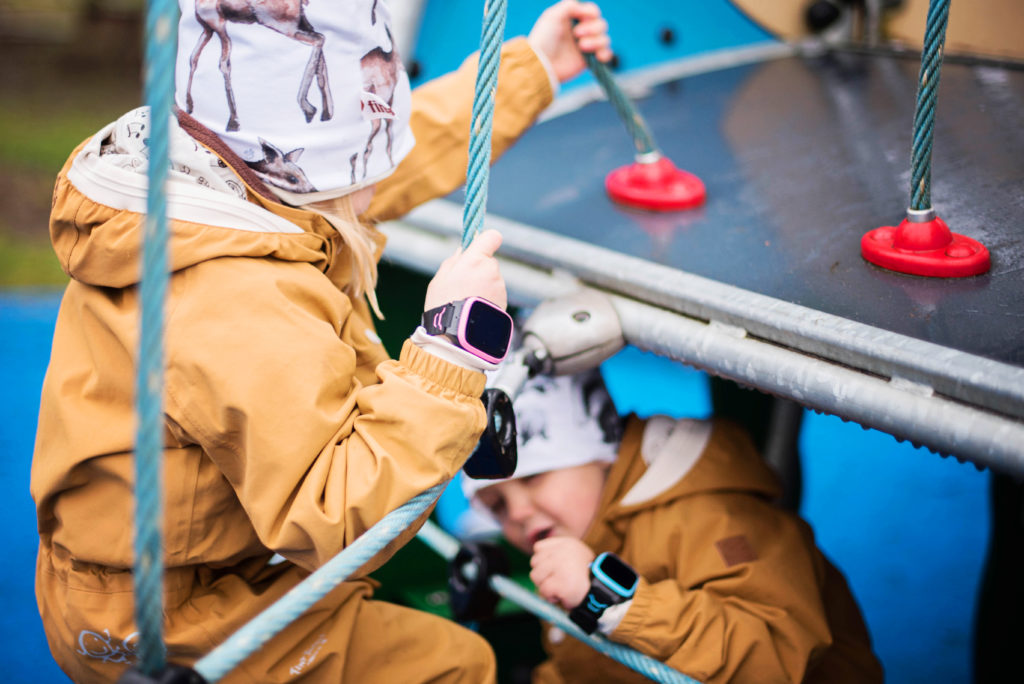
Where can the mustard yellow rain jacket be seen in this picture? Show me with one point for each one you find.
(287, 429)
(733, 588)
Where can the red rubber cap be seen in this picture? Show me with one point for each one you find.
(925, 249)
(656, 185)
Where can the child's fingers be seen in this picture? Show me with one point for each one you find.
(592, 36)
(484, 244)
(541, 544)
(540, 574)
(595, 44)
(582, 11)
(590, 28)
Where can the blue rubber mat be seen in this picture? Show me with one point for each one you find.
(26, 322)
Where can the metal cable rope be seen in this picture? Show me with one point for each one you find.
(258, 631)
(447, 546)
(924, 113)
(624, 107)
(482, 119)
(161, 43)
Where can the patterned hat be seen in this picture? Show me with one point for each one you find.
(312, 93)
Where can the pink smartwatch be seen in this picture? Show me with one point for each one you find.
(473, 324)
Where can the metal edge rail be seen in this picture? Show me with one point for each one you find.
(968, 378)
(889, 402)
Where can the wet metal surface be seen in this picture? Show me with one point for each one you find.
(801, 156)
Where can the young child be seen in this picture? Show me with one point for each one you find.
(287, 430)
(728, 587)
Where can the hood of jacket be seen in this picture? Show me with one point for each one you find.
(99, 206)
(663, 459)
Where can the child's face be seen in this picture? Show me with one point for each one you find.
(558, 503)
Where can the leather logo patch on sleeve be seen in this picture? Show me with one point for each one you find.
(735, 550)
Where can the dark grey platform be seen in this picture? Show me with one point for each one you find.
(801, 156)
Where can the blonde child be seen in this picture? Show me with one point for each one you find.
(287, 429)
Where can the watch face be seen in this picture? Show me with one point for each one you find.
(618, 572)
(487, 329)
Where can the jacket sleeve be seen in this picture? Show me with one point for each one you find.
(261, 374)
(440, 120)
(744, 602)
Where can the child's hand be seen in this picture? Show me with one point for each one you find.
(561, 570)
(561, 42)
(472, 272)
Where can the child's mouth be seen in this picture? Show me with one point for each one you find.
(540, 534)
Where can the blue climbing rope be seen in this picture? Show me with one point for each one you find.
(285, 610)
(161, 40)
(482, 119)
(924, 113)
(447, 547)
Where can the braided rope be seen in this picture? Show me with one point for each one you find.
(927, 96)
(446, 546)
(482, 120)
(161, 42)
(258, 631)
(635, 124)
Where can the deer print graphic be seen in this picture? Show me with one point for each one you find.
(380, 76)
(283, 16)
(279, 168)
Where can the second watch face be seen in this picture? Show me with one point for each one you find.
(487, 328)
(612, 567)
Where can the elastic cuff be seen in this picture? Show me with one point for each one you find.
(443, 373)
(556, 85)
(443, 349)
(631, 621)
(612, 616)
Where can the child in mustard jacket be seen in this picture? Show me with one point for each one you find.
(662, 534)
(287, 431)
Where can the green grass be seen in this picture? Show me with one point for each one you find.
(49, 112)
(46, 136)
(42, 142)
(28, 263)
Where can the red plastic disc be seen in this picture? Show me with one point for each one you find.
(656, 185)
(926, 249)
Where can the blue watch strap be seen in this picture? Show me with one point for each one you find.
(612, 581)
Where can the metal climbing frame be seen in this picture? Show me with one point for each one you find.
(765, 286)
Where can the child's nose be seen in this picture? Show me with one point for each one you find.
(519, 507)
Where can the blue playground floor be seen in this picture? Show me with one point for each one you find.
(908, 528)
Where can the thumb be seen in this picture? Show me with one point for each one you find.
(485, 243)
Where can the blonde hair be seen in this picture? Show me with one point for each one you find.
(362, 247)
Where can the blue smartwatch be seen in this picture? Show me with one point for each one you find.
(612, 581)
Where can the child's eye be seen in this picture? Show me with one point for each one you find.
(498, 508)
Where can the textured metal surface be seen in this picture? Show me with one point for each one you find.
(801, 156)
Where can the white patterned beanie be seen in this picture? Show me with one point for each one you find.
(311, 94)
(561, 422)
